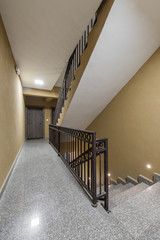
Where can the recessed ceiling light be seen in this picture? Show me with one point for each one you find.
(35, 222)
(148, 166)
(109, 174)
(39, 82)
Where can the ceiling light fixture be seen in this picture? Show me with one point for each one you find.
(148, 166)
(39, 82)
(109, 174)
(35, 222)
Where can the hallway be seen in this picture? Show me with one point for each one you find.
(43, 201)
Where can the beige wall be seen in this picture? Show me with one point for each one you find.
(47, 119)
(41, 102)
(54, 94)
(131, 122)
(12, 127)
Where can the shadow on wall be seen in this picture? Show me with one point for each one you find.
(131, 123)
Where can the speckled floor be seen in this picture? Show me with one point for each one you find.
(43, 201)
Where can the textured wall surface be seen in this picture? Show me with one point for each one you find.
(12, 121)
(131, 122)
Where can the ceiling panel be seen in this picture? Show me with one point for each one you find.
(43, 34)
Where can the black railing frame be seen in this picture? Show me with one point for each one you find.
(73, 64)
(103, 149)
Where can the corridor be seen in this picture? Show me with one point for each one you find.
(43, 201)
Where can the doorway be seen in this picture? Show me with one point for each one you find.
(52, 115)
(34, 123)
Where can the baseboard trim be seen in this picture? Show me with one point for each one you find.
(10, 172)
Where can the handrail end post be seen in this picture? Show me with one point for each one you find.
(94, 170)
(106, 174)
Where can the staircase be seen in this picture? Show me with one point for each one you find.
(79, 60)
(137, 209)
(134, 206)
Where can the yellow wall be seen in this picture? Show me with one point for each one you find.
(131, 122)
(41, 102)
(54, 94)
(47, 117)
(12, 123)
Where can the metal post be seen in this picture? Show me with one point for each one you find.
(65, 94)
(93, 169)
(59, 141)
(106, 174)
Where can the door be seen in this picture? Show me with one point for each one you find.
(34, 123)
(52, 115)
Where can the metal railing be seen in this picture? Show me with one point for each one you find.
(86, 157)
(73, 64)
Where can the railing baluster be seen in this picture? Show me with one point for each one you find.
(81, 159)
(77, 56)
(69, 148)
(82, 44)
(91, 23)
(88, 168)
(79, 52)
(100, 183)
(72, 148)
(85, 42)
(74, 62)
(84, 163)
(106, 174)
(87, 30)
(93, 169)
(78, 157)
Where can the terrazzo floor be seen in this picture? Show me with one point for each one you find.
(43, 201)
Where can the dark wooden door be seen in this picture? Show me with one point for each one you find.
(52, 115)
(34, 123)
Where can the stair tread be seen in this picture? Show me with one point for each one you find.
(121, 188)
(112, 187)
(125, 195)
(111, 227)
(140, 211)
(152, 232)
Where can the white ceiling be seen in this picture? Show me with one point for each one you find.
(130, 36)
(43, 34)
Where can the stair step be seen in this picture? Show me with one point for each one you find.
(112, 186)
(124, 196)
(117, 191)
(140, 211)
(110, 227)
(152, 232)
